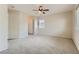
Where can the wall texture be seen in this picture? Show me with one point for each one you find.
(58, 25)
(18, 26)
(23, 25)
(76, 26)
(13, 24)
(3, 27)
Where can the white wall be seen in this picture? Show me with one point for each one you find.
(76, 26)
(58, 25)
(13, 24)
(18, 26)
(3, 27)
(23, 25)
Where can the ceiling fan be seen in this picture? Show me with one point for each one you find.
(41, 9)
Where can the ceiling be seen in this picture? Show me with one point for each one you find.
(53, 8)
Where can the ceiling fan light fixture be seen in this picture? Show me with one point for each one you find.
(41, 10)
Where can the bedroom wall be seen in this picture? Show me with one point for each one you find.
(76, 26)
(13, 24)
(58, 25)
(18, 26)
(23, 25)
(3, 27)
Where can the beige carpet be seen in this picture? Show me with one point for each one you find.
(41, 45)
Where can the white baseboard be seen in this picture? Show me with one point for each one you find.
(55, 35)
(17, 36)
(2, 49)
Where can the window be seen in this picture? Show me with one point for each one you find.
(41, 23)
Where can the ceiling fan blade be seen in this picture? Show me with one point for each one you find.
(46, 10)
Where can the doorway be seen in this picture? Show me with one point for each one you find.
(30, 25)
